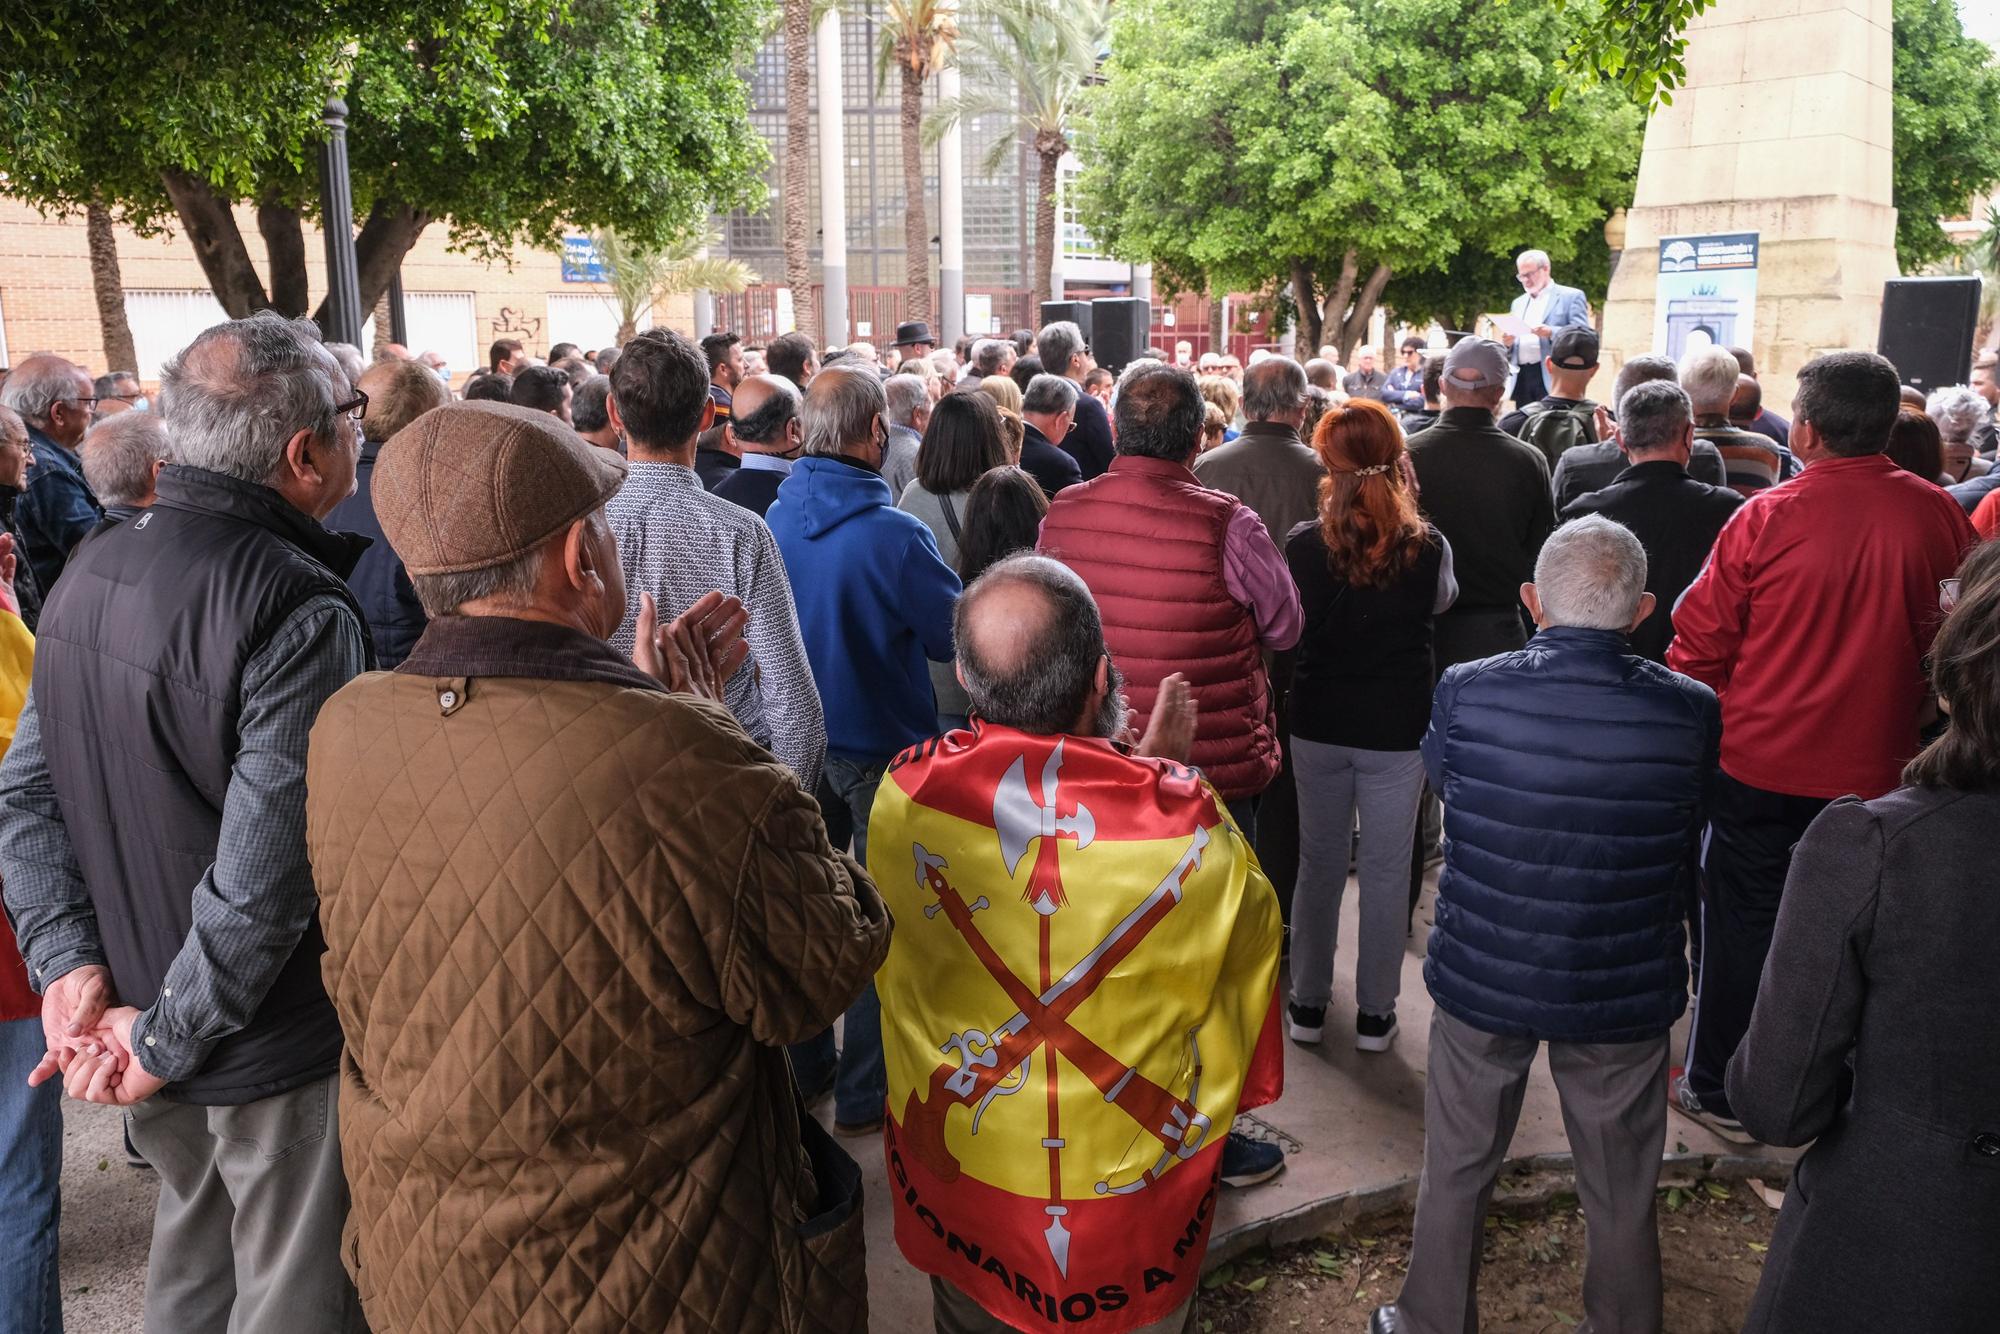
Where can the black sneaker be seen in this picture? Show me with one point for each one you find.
(1249, 1162)
(1682, 1099)
(1306, 1023)
(1374, 1032)
(1386, 1320)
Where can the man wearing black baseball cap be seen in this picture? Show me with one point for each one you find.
(1563, 417)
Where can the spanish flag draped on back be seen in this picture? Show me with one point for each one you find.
(1079, 996)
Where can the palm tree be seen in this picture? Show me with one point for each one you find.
(640, 275)
(918, 38)
(1028, 61)
(797, 180)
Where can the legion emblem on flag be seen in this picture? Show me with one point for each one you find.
(1077, 1000)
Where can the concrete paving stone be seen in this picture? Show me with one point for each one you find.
(1351, 1122)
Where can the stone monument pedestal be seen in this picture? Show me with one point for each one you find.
(1783, 129)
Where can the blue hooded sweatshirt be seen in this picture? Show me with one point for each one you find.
(874, 600)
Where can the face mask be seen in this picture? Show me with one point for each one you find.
(444, 373)
(143, 405)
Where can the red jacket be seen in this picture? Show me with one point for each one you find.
(1148, 539)
(1811, 622)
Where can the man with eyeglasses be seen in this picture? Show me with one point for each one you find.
(1547, 308)
(119, 391)
(1064, 351)
(153, 822)
(57, 510)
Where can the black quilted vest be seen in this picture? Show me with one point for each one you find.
(138, 671)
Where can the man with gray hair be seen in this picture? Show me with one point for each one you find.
(992, 356)
(1048, 409)
(874, 602)
(1592, 961)
(1544, 309)
(1488, 493)
(119, 391)
(909, 413)
(57, 510)
(1754, 462)
(122, 458)
(152, 828)
(1268, 467)
(1064, 351)
(1674, 517)
(1587, 468)
(1960, 414)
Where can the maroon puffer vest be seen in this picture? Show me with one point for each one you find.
(1147, 538)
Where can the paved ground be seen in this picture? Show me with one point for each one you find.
(1353, 1125)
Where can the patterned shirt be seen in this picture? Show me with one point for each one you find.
(252, 904)
(676, 541)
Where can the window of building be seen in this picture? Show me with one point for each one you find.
(446, 323)
(586, 319)
(165, 320)
(1076, 242)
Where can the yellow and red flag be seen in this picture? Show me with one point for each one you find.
(1079, 997)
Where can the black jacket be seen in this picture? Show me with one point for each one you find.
(1089, 438)
(712, 465)
(1676, 519)
(138, 678)
(1047, 464)
(380, 583)
(1590, 468)
(752, 488)
(1873, 1042)
(27, 588)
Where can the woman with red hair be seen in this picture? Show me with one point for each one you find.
(1371, 575)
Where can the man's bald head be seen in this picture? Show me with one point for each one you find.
(1030, 644)
(762, 410)
(1748, 401)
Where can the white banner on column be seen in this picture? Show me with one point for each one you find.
(1707, 292)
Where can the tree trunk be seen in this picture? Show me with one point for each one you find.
(379, 247)
(384, 335)
(285, 247)
(1310, 323)
(1355, 327)
(797, 179)
(1335, 310)
(218, 245)
(1218, 322)
(916, 218)
(1045, 222)
(119, 353)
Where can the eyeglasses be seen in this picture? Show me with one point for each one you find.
(1947, 594)
(132, 397)
(356, 407)
(83, 401)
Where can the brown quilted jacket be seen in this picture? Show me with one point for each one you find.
(570, 920)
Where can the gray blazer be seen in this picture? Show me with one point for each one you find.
(1567, 308)
(1875, 1039)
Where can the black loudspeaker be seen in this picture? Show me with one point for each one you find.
(1077, 312)
(1928, 325)
(1123, 324)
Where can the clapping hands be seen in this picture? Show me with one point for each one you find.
(698, 651)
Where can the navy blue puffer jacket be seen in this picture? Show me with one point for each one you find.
(1573, 777)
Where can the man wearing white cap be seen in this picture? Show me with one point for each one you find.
(1489, 495)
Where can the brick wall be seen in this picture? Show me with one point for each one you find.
(46, 304)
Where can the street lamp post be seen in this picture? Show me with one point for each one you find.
(343, 276)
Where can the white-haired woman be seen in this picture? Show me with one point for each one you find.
(1959, 413)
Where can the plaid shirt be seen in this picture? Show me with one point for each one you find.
(677, 541)
(254, 902)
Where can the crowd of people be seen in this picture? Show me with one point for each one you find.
(471, 832)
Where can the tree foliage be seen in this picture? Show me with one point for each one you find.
(1636, 46)
(1343, 145)
(1947, 144)
(640, 274)
(509, 120)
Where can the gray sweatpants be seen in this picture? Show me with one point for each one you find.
(1334, 781)
(246, 1239)
(1615, 1110)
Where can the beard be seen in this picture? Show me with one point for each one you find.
(1114, 715)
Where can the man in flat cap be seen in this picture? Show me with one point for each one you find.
(573, 916)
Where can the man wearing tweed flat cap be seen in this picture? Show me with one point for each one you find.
(573, 915)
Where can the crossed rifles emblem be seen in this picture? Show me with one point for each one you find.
(986, 1061)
